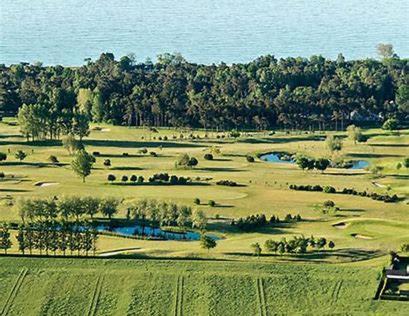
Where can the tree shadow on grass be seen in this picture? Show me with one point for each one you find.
(373, 155)
(137, 144)
(14, 190)
(126, 168)
(158, 184)
(33, 164)
(388, 145)
(345, 255)
(220, 169)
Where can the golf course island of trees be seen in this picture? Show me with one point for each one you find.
(278, 186)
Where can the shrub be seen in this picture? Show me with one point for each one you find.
(111, 178)
(107, 162)
(250, 158)
(211, 203)
(143, 151)
(2, 175)
(53, 159)
(141, 179)
(96, 153)
(133, 178)
(3, 156)
(153, 154)
(193, 162)
(125, 154)
(174, 180)
(196, 201)
(329, 203)
(227, 183)
(208, 157)
(124, 178)
(329, 189)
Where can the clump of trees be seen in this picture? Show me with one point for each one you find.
(185, 161)
(257, 221)
(161, 213)
(297, 244)
(307, 163)
(53, 117)
(228, 183)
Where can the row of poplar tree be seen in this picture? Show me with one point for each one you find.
(54, 237)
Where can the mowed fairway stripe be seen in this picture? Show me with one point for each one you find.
(95, 297)
(13, 292)
(261, 297)
(337, 289)
(179, 296)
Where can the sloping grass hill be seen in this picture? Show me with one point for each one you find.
(49, 286)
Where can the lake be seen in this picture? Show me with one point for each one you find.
(208, 31)
(289, 158)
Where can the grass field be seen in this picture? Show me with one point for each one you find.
(265, 186)
(236, 283)
(33, 286)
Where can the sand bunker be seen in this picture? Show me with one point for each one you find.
(359, 236)
(341, 225)
(45, 184)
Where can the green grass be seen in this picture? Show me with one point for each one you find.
(157, 287)
(265, 187)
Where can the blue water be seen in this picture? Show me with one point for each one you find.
(205, 31)
(359, 164)
(275, 158)
(136, 230)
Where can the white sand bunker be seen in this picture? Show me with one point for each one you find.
(359, 236)
(45, 184)
(341, 225)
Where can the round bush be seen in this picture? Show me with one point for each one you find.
(250, 158)
(196, 201)
(111, 178)
(208, 157)
(211, 203)
(124, 178)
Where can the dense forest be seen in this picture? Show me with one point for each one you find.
(314, 93)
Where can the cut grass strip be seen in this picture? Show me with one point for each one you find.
(179, 296)
(95, 296)
(261, 297)
(13, 292)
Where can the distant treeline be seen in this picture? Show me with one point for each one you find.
(312, 93)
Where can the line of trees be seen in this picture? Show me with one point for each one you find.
(315, 93)
(297, 244)
(53, 236)
(161, 213)
(69, 208)
(330, 189)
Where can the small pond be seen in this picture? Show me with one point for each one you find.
(153, 232)
(277, 157)
(288, 158)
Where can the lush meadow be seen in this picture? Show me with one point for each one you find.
(40, 286)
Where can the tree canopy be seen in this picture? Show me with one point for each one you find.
(315, 93)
